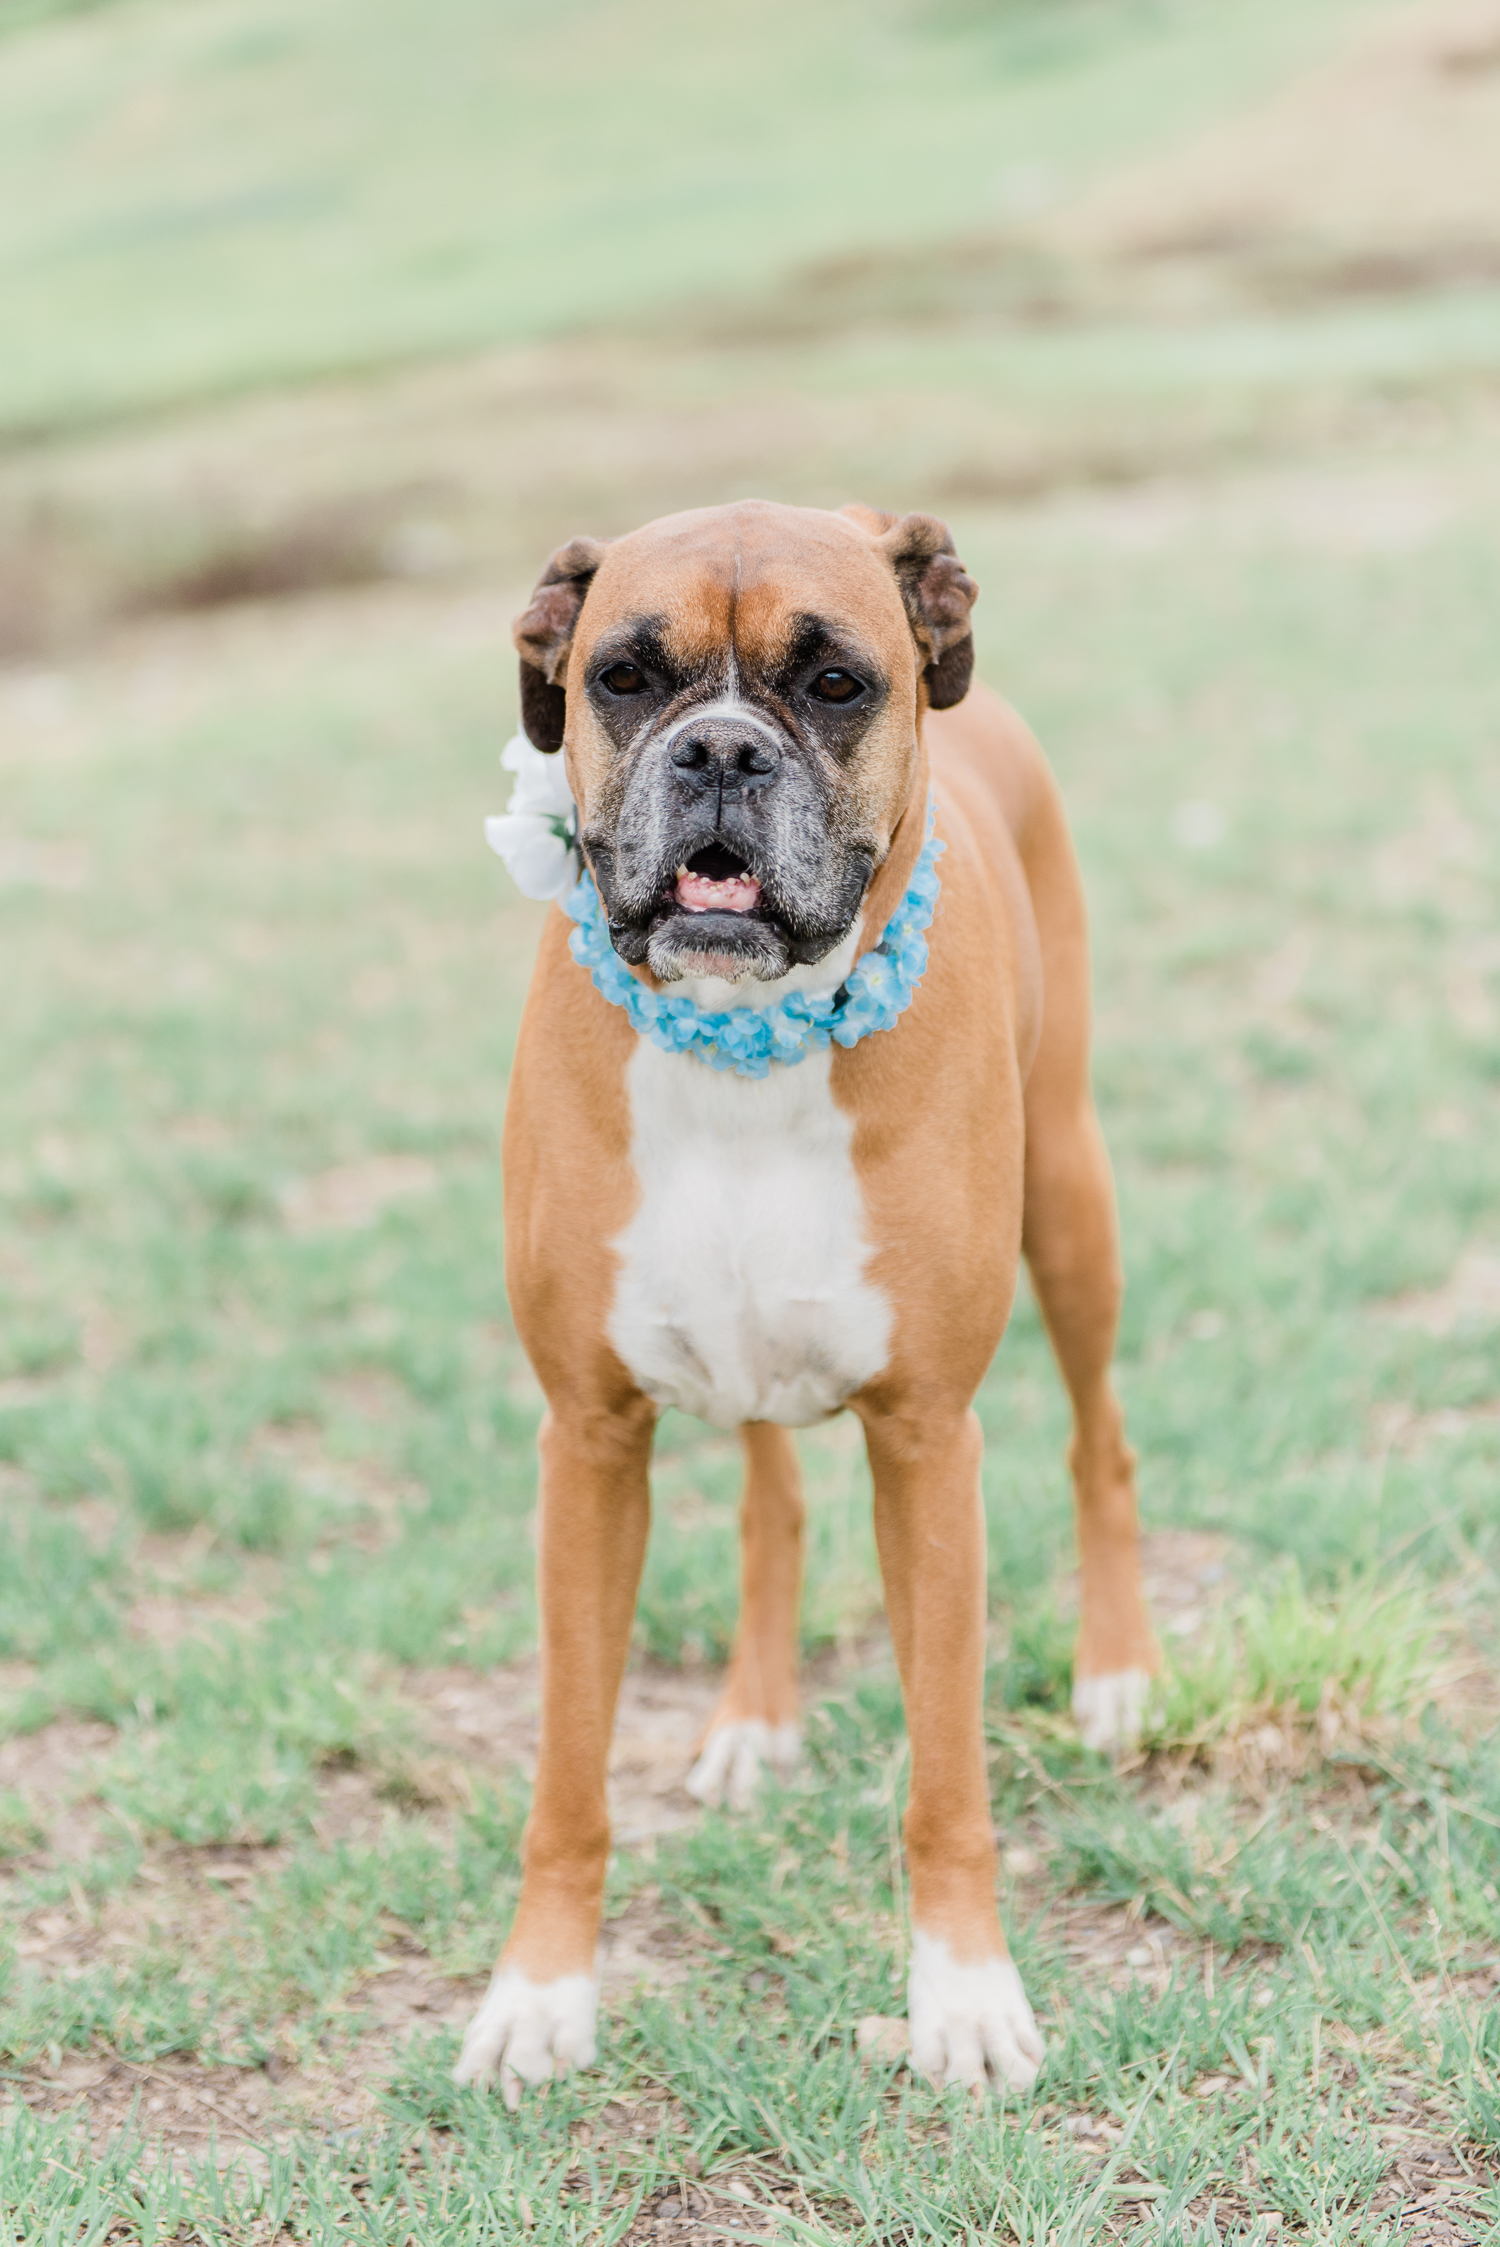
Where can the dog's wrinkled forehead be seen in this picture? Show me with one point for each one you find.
(742, 587)
(751, 584)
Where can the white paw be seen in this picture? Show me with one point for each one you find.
(966, 2019)
(529, 2031)
(734, 1756)
(1107, 1709)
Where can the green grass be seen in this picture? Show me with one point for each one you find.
(266, 1470)
(291, 957)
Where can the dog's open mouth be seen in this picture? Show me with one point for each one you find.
(715, 880)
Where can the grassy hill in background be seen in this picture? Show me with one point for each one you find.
(306, 299)
(195, 199)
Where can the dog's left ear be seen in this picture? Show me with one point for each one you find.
(543, 634)
(938, 593)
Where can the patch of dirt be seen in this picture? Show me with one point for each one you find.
(49, 1761)
(179, 2106)
(171, 1602)
(368, 1394)
(188, 2105)
(1409, 1433)
(50, 1769)
(1343, 506)
(1469, 1299)
(166, 1619)
(171, 1892)
(663, 1717)
(1187, 1574)
(711, 2210)
(486, 1723)
(482, 1721)
(21, 1389)
(1381, 170)
(353, 1195)
(1441, 851)
(189, 2109)
(365, 1488)
(30, 864)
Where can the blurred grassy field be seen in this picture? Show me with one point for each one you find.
(196, 199)
(266, 1627)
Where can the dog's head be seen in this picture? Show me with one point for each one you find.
(739, 691)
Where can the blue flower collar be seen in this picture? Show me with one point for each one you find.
(878, 991)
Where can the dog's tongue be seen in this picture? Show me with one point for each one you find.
(697, 894)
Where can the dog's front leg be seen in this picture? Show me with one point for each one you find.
(968, 2012)
(539, 2013)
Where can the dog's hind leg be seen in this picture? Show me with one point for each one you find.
(1070, 1234)
(755, 1723)
(1070, 1240)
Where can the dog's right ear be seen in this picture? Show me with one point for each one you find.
(543, 634)
(936, 591)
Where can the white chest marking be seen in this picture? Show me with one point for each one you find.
(742, 1293)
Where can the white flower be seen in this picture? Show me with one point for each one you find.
(535, 836)
(541, 781)
(539, 861)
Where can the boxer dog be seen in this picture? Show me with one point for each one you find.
(755, 704)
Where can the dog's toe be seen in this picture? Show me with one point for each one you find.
(970, 2022)
(735, 1756)
(527, 2032)
(1107, 1709)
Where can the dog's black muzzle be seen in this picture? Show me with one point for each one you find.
(718, 794)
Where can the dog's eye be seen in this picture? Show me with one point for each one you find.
(625, 678)
(837, 686)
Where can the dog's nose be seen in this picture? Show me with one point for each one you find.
(719, 754)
